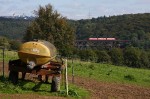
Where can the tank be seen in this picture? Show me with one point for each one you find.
(35, 53)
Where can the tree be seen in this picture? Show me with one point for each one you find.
(51, 26)
(116, 56)
(88, 55)
(14, 44)
(4, 42)
(132, 57)
(144, 60)
(103, 56)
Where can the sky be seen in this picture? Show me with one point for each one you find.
(76, 9)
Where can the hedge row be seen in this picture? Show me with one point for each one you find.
(131, 56)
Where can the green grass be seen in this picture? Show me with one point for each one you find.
(111, 73)
(28, 87)
(8, 55)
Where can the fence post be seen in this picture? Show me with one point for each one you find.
(3, 60)
(66, 77)
(72, 73)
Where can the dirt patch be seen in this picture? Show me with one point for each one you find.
(101, 90)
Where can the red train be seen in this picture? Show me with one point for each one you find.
(102, 39)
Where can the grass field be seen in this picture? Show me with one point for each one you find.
(27, 87)
(111, 73)
(8, 55)
(100, 72)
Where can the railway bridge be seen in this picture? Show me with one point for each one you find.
(101, 43)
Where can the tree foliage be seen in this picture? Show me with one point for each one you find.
(144, 60)
(103, 57)
(88, 55)
(4, 42)
(13, 28)
(51, 26)
(14, 44)
(134, 27)
(132, 57)
(116, 55)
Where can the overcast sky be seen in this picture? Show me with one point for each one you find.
(76, 9)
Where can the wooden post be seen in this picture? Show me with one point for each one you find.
(66, 77)
(3, 60)
(72, 73)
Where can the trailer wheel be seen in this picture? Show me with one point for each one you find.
(55, 86)
(13, 77)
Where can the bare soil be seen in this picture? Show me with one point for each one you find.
(101, 90)
(97, 89)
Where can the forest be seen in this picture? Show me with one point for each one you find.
(12, 28)
(133, 27)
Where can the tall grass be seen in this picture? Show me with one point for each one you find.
(111, 73)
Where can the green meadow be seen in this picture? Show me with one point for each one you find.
(111, 73)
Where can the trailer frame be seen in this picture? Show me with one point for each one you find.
(52, 68)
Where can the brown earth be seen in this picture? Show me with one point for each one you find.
(101, 90)
(97, 89)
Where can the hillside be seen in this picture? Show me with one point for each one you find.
(13, 28)
(134, 27)
(130, 26)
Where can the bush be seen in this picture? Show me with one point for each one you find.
(88, 55)
(14, 45)
(132, 57)
(4, 42)
(116, 56)
(103, 57)
(144, 60)
(129, 77)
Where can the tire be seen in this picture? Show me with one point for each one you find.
(55, 86)
(13, 77)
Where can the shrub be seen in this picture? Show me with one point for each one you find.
(103, 57)
(132, 57)
(88, 55)
(144, 60)
(4, 42)
(129, 77)
(116, 56)
(14, 45)
(91, 66)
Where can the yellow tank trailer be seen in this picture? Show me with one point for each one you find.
(36, 53)
(39, 58)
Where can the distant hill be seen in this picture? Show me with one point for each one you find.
(128, 26)
(13, 28)
(135, 27)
